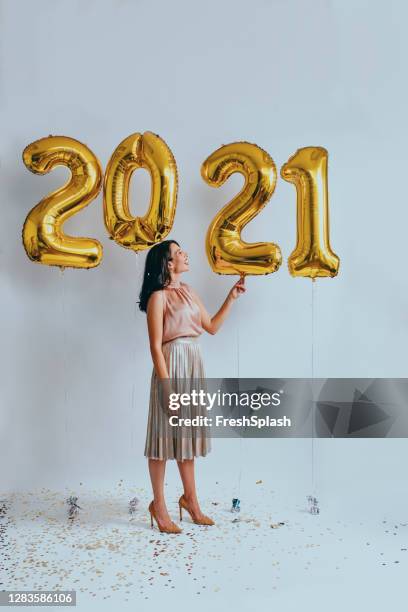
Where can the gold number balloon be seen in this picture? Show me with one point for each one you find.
(307, 170)
(147, 151)
(43, 238)
(227, 253)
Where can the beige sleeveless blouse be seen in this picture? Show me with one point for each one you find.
(181, 314)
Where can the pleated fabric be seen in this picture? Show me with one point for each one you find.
(186, 371)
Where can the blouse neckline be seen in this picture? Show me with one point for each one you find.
(174, 285)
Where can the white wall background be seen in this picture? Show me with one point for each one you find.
(75, 365)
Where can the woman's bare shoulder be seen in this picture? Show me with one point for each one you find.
(156, 300)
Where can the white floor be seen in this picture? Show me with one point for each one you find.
(335, 560)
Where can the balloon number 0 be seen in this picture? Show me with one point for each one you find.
(147, 151)
(46, 243)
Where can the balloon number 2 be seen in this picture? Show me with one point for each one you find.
(226, 251)
(46, 243)
(43, 238)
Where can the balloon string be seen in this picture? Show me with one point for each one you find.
(137, 281)
(238, 352)
(64, 360)
(241, 443)
(135, 368)
(133, 412)
(313, 402)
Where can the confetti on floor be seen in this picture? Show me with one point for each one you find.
(107, 553)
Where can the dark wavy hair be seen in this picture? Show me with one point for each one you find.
(156, 272)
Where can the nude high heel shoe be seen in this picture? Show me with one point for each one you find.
(172, 529)
(204, 520)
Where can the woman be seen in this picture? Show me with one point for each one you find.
(175, 318)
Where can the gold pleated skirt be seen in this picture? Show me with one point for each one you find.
(164, 441)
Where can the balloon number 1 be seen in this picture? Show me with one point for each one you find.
(45, 242)
(307, 170)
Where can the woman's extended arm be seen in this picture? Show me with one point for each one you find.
(155, 329)
(213, 324)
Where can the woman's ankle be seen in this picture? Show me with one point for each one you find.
(191, 498)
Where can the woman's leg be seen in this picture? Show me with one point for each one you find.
(186, 469)
(157, 468)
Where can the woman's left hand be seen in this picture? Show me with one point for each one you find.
(238, 288)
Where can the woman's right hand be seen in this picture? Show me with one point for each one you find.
(166, 391)
(238, 288)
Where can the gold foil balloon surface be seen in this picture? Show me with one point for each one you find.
(226, 251)
(147, 151)
(312, 256)
(43, 236)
